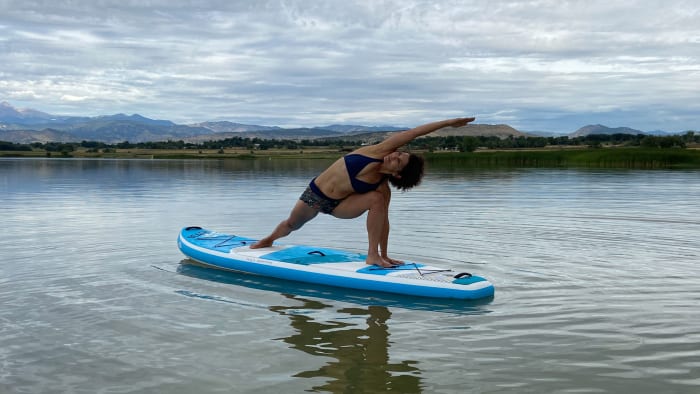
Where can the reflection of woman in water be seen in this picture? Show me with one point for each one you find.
(358, 183)
(362, 353)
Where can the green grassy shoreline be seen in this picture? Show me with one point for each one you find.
(642, 158)
(594, 158)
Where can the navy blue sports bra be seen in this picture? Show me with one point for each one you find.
(356, 163)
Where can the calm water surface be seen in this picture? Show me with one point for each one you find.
(597, 276)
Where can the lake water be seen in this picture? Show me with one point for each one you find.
(597, 276)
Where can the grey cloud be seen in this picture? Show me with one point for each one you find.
(534, 64)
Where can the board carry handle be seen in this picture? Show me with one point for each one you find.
(318, 252)
(462, 275)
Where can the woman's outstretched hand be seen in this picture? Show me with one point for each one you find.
(459, 122)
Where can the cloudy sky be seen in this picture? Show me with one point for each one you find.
(544, 65)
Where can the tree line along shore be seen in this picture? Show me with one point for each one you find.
(603, 151)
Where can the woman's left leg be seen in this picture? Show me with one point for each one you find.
(375, 205)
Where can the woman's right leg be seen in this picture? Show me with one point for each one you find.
(301, 213)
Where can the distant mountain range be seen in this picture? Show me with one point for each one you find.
(30, 125)
(600, 129)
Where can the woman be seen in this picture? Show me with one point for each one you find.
(358, 183)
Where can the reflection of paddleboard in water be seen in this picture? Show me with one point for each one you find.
(328, 267)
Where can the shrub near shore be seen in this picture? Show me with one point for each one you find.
(608, 151)
(596, 158)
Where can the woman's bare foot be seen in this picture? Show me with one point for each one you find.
(392, 261)
(378, 261)
(263, 243)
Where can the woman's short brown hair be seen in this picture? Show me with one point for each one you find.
(411, 175)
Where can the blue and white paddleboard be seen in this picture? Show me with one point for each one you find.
(328, 267)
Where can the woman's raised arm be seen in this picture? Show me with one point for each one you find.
(400, 139)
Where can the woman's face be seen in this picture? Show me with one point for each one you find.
(396, 161)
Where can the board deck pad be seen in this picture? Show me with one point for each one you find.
(328, 266)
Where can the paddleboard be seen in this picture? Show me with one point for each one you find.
(328, 267)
